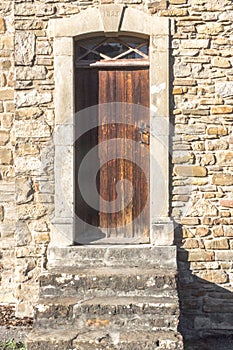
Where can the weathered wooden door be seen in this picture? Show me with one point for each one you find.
(120, 95)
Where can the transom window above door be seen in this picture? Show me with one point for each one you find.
(107, 50)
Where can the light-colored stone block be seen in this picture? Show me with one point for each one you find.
(64, 182)
(63, 46)
(111, 16)
(61, 233)
(64, 89)
(64, 135)
(24, 47)
(162, 233)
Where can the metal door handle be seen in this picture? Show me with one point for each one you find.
(144, 136)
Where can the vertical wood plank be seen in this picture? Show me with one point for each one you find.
(106, 85)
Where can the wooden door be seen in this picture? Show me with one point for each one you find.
(122, 96)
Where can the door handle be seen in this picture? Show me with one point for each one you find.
(144, 137)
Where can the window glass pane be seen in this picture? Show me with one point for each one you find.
(133, 55)
(144, 49)
(112, 49)
(101, 48)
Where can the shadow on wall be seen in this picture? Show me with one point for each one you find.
(206, 309)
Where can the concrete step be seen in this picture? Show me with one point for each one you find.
(108, 281)
(75, 339)
(113, 255)
(130, 312)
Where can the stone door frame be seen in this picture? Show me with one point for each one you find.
(110, 20)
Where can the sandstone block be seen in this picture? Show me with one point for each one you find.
(225, 158)
(190, 243)
(25, 9)
(34, 129)
(25, 149)
(178, 2)
(228, 231)
(154, 6)
(8, 42)
(45, 10)
(199, 181)
(195, 129)
(43, 47)
(218, 231)
(7, 120)
(30, 165)
(28, 113)
(5, 156)
(208, 159)
(224, 255)
(22, 234)
(200, 255)
(6, 94)
(196, 111)
(4, 137)
(10, 107)
(217, 145)
(222, 179)
(195, 43)
(24, 48)
(198, 146)
(202, 231)
(210, 28)
(190, 170)
(211, 101)
(217, 130)
(221, 109)
(212, 276)
(6, 64)
(3, 80)
(182, 70)
(189, 221)
(34, 73)
(180, 157)
(175, 12)
(2, 25)
(202, 207)
(7, 230)
(224, 89)
(177, 91)
(185, 82)
(220, 243)
(221, 62)
(32, 98)
(31, 211)
(226, 203)
(1, 213)
(42, 237)
(24, 190)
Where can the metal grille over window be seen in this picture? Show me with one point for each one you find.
(94, 51)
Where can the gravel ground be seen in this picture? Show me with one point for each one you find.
(12, 327)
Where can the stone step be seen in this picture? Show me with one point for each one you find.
(102, 340)
(51, 339)
(115, 312)
(76, 339)
(108, 281)
(113, 255)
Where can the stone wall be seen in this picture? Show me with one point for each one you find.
(203, 161)
(201, 114)
(7, 144)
